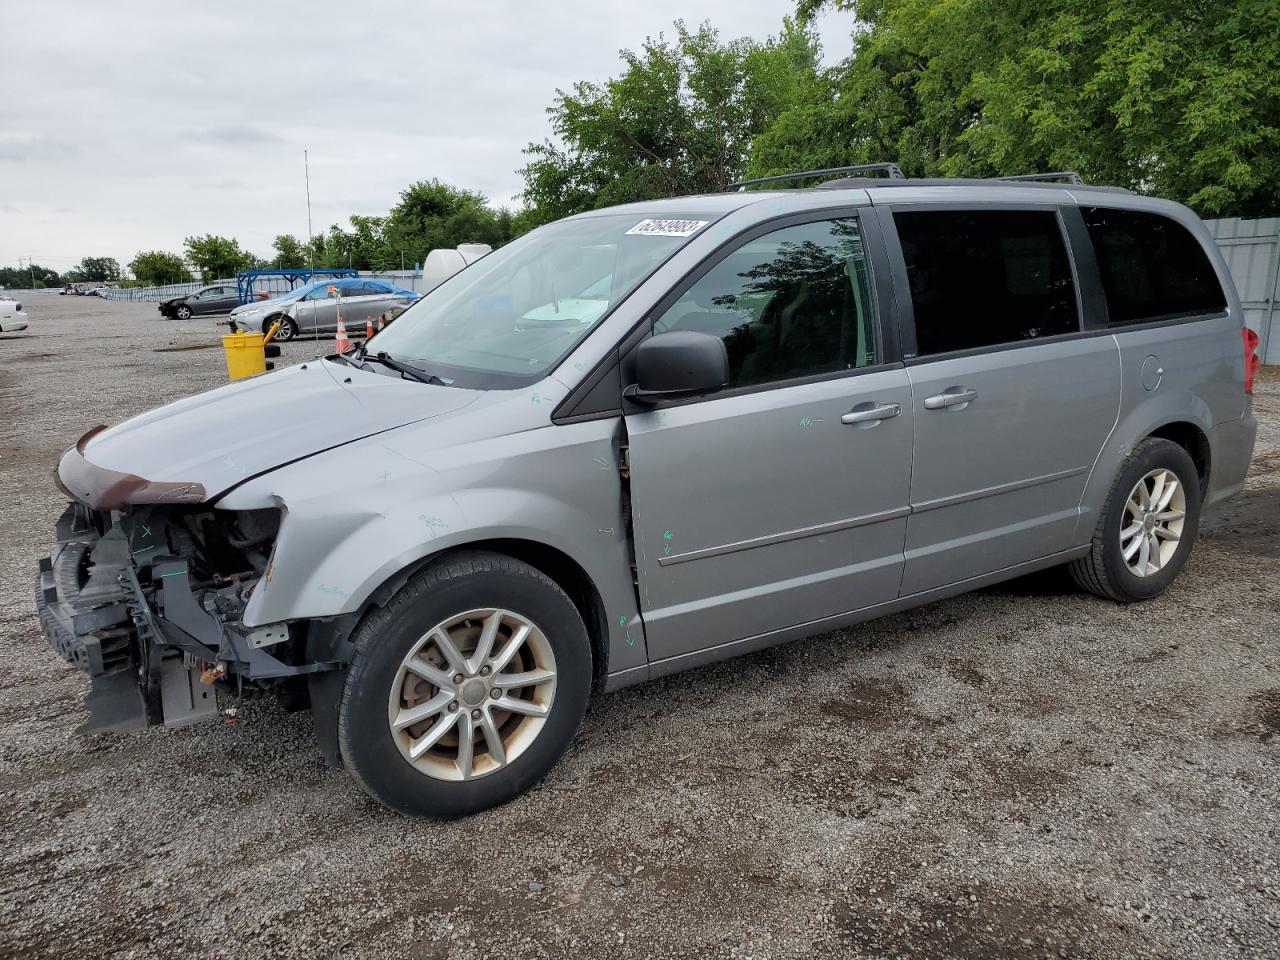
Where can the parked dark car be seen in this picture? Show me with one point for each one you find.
(216, 298)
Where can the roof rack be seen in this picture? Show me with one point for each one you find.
(1070, 176)
(892, 171)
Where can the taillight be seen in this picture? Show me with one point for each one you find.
(1251, 360)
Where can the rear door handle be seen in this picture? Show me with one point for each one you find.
(884, 411)
(951, 397)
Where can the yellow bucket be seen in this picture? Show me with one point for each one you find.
(245, 355)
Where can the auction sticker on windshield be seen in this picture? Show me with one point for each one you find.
(668, 228)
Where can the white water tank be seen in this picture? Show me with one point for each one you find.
(471, 252)
(442, 263)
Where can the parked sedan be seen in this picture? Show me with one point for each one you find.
(314, 308)
(216, 298)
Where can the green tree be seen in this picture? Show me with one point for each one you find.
(679, 119)
(218, 258)
(20, 278)
(429, 214)
(1179, 99)
(98, 269)
(433, 214)
(156, 268)
(289, 252)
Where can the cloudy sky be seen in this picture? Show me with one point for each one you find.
(129, 126)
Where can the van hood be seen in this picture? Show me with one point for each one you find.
(196, 449)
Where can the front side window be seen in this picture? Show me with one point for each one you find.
(792, 303)
(1151, 267)
(979, 278)
(509, 317)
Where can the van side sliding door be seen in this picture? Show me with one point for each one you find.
(1013, 399)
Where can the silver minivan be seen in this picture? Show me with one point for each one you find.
(651, 437)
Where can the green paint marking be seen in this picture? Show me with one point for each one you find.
(622, 620)
(146, 531)
(666, 535)
(176, 573)
(630, 639)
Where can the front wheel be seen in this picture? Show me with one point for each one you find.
(288, 329)
(1148, 526)
(183, 312)
(465, 689)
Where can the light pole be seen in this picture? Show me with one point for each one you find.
(306, 163)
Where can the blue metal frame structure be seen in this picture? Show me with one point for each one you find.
(297, 276)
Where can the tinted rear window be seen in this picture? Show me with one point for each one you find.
(1151, 267)
(985, 277)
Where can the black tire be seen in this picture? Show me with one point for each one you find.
(182, 312)
(288, 329)
(448, 587)
(1103, 569)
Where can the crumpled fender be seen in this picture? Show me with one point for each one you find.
(358, 515)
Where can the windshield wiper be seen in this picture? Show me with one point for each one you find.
(408, 369)
(349, 361)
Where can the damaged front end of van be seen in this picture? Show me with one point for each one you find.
(145, 592)
(150, 588)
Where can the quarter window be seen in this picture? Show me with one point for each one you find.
(979, 278)
(1151, 267)
(792, 303)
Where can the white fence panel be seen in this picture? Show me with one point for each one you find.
(1252, 251)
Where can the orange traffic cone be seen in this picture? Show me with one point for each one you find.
(368, 328)
(343, 344)
(381, 320)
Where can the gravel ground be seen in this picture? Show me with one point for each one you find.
(1022, 772)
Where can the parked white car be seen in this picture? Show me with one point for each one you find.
(12, 319)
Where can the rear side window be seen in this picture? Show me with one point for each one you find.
(980, 278)
(1151, 267)
(792, 303)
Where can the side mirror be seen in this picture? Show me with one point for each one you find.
(679, 363)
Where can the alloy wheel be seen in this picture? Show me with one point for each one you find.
(472, 694)
(1151, 529)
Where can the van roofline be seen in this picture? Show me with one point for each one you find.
(876, 183)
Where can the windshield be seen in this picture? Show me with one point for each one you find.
(507, 319)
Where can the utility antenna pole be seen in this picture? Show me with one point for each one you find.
(306, 163)
(31, 265)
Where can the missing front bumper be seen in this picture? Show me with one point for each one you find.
(119, 605)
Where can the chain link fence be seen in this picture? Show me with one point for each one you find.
(272, 286)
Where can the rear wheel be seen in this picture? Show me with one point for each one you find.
(1148, 527)
(466, 688)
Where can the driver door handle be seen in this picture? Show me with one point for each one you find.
(951, 397)
(884, 411)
